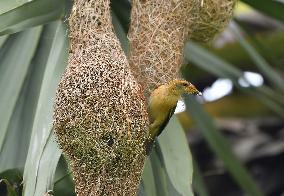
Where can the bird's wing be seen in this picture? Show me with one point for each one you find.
(164, 124)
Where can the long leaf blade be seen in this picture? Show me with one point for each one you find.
(269, 7)
(148, 181)
(6, 5)
(20, 125)
(221, 147)
(42, 126)
(47, 166)
(211, 63)
(3, 39)
(261, 63)
(177, 157)
(36, 12)
(14, 66)
(159, 173)
(198, 182)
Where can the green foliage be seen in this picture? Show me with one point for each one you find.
(215, 65)
(259, 61)
(12, 179)
(31, 63)
(13, 72)
(9, 188)
(147, 186)
(221, 147)
(198, 182)
(168, 171)
(271, 8)
(176, 156)
(43, 151)
(17, 17)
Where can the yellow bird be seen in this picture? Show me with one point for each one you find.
(162, 104)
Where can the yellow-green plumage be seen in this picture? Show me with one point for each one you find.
(162, 104)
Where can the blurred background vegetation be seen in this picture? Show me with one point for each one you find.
(235, 131)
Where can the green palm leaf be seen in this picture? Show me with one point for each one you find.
(43, 152)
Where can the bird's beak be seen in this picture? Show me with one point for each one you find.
(193, 90)
(198, 93)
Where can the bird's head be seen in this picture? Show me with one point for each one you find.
(183, 86)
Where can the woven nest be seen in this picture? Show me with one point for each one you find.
(211, 17)
(100, 118)
(159, 30)
(157, 34)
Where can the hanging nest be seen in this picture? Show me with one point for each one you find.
(210, 18)
(100, 118)
(159, 30)
(157, 33)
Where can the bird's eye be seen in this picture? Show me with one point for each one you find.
(184, 84)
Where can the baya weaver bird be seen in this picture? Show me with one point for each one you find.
(162, 104)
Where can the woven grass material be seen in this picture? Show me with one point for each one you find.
(159, 30)
(157, 33)
(211, 17)
(100, 118)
